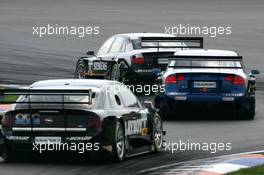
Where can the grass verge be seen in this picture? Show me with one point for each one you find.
(258, 170)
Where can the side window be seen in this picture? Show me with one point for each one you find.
(123, 48)
(115, 101)
(117, 45)
(129, 99)
(106, 46)
(129, 46)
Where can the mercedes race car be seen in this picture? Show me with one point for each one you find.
(133, 57)
(202, 77)
(103, 115)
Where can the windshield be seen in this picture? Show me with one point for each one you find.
(205, 64)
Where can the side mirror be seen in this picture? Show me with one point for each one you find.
(90, 53)
(149, 105)
(255, 72)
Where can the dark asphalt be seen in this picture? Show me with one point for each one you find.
(25, 58)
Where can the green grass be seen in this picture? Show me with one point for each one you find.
(8, 98)
(11, 98)
(258, 170)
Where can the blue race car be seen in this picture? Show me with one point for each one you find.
(201, 77)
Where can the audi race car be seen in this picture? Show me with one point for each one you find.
(206, 77)
(103, 114)
(133, 57)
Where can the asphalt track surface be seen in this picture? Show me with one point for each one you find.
(25, 58)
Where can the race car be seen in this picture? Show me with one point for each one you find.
(204, 77)
(103, 114)
(132, 57)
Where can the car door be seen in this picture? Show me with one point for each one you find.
(136, 122)
(100, 65)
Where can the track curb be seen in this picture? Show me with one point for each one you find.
(210, 166)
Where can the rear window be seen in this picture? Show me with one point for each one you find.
(205, 64)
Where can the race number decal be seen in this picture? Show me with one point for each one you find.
(99, 66)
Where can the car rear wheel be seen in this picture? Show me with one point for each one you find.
(164, 107)
(119, 143)
(157, 133)
(247, 109)
(115, 73)
(8, 154)
(80, 70)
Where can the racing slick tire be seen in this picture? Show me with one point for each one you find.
(80, 70)
(165, 107)
(8, 154)
(115, 73)
(246, 109)
(157, 133)
(119, 149)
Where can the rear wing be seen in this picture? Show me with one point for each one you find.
(190, 59)
(196, 57)
(172, 42)
(10, 96)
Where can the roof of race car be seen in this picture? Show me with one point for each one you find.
(72, 84)
(137, 35)
(206, 52)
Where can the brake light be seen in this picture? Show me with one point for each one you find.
(239, 80)
(173, 79)
(180, 77)
(235, 79)
(7, 121)
(138, 59)
(94, 122)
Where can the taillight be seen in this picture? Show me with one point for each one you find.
(173, 79)
(235, 79)
(94, 122)
(137, 59)
(7, 121)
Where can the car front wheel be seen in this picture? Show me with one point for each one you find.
(80, 70)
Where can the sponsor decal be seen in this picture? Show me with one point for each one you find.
(136, 127)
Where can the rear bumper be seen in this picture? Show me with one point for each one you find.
(143, 74)
(205, 98)
(79, 144)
